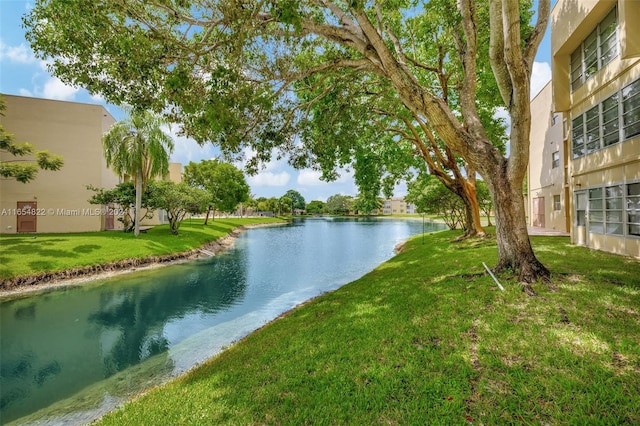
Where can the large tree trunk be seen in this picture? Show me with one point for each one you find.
(472, 210)
(136, 225)
(465, 189)
(514, 248)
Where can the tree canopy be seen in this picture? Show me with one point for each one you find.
(315, 207)
(138, 148)
(178, 200)
(224, 182)
(254, 67)
(431, 196)
(338, 204)
(296, 198)
(124, 195)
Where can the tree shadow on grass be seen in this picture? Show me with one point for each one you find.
(40, 265)
(6, 240)
(219, 227)
(86, 248)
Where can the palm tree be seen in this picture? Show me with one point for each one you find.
(138, 147)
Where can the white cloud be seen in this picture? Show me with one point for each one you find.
(186, 149)
(271, 165)
(344, 176)
(269, 173)
(56, 89)
(540, 76)
(309, 178)
(20, 54)
(270, 179)
(44, 64)
(25, 92)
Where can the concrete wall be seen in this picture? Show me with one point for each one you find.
(70, 129)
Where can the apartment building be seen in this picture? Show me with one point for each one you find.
(56, 201)
(595, 47)
(398, 205)
(548, 184)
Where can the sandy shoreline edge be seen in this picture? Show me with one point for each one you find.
(18, 286)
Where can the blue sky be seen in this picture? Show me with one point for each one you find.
(23, 74)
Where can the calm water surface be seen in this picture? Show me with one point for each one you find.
(68, 356)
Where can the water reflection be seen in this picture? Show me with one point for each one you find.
(70, 339)
(121, 331)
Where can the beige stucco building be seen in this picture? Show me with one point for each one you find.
(595, 47)
(547, 182)
(398, 206)
(57, 199)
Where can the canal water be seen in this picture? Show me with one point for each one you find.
(70, 355)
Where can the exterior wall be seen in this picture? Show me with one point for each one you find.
(74, 131)
(545, 182)
(175, 172)
(571, 23)
(615, 167)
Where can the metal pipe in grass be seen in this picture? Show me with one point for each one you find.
(492, 276)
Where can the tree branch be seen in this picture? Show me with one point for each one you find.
(496, 51)
(534, 40)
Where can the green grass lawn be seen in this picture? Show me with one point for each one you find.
(29, 254)
(427, 338)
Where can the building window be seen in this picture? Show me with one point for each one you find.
(610, 121)
(596, 215)
(631, 109)
(633, 209)
(608, 38)
(555, 160)
(577, 136)
(581, 208)
(596, 51)
(600, 126)
(592, 129)
(613, 210)
(556, 203)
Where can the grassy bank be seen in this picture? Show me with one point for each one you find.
(26, 254)
(427, 338)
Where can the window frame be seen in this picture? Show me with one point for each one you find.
(621, 110)
(592, 208)
(617, 226)
(595, 51)
(631, 209)
(618, 201)
(555, 159)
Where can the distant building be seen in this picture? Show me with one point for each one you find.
(397, 205)
(547, 176)
(595, 48)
